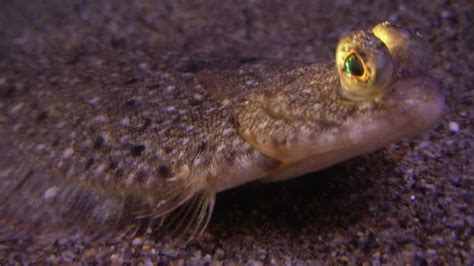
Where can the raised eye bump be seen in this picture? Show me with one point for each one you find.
(364, 65)
(406, 47)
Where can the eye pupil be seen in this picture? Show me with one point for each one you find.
(353, 66)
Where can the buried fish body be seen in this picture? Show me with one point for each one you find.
(90, 150)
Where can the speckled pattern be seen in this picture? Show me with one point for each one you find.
(410, 202)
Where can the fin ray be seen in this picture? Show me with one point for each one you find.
(190, 219)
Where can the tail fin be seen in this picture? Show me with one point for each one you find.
(35, 203)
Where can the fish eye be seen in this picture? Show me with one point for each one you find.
(364, 65)
(353, 65)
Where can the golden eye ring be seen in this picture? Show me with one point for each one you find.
(364, 65)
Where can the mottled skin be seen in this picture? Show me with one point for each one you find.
(97, 149)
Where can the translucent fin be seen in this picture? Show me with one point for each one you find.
(190, 219)
(33, 203)
(47, 206)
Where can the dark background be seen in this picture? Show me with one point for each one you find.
(409, 202)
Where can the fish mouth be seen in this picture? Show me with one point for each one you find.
(412, 106)
(417, 103)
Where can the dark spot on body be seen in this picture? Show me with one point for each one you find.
(119, 173)
(155, 86)
(39, 72)
(248, 59)
(121, 63)
(137, 150)
(24, 180)
(194, 102)
(168, 149)
(131, 103)
(370, 243)
(113, 165)
(32, 134)
(156, 66)
(423, 262)
(56, 142)
(42, 116)
(89, 164)
(164, 171)
(99, 142)
(7, 91)
(34, 104)
(189, 67)
(77, 121)
(131, 81)
(54, 81)
(202, 147)
(140, 177)
(74, 58)
(169, 133)
(118, 43)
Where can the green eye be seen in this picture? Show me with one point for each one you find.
(364, 65)
(353, 65)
